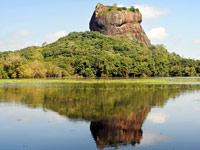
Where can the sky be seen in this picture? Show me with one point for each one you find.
(173, 23)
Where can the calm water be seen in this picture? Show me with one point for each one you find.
(89, 117)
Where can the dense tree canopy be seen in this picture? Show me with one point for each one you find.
(91, 54)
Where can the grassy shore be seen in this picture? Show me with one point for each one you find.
(100, 81)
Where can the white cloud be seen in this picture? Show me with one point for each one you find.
(23, 114)
(21, 34)
(150, 139)
(149, 12)
(197, 41)
(16, 112)
(53, 116)
(157, 117)
(122, 5)
(197, 109)
(55, 36)
(14, 44)
(157, 33)
(17, 40)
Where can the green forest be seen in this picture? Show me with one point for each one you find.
(91, 54)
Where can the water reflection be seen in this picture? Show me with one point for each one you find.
(119, 130)
(116, 112)
(151, 138)
(157, 117)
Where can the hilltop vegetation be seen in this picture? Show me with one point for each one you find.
(112, 9)
(91, 54)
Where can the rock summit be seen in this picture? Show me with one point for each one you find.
(119, 22)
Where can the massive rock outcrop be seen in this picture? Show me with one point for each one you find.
(118, 22)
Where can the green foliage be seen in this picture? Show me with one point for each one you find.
(133, 9)
(91, 54)
(119, 9)
(38, 69)
(23, 72)
(124, 8)
(112, 9)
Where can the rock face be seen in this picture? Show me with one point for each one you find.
(118, 22)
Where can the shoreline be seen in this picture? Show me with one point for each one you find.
(103, 81)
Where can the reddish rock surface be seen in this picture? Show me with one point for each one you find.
(118, 23)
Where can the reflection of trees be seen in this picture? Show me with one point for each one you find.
(94, 102)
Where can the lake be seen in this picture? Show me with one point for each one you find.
(42, 116)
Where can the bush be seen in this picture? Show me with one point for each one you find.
(124, 8)
(110, 9)
(132, 9)
(119, 9)
(137, 10)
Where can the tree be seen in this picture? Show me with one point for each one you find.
(44, 44)
(38, 69)
(23, 72)
(115, 4)
(53, 70)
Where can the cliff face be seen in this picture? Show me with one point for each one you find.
(114, 21)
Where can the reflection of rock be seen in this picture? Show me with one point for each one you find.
(119, 130)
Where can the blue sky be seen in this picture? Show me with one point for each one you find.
(172, 23)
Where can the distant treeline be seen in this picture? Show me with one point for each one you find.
(91, 54)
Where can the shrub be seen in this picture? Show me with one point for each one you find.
(137, 10)
(124, 8)
(110, 9)
(119, 8)
(132, 9)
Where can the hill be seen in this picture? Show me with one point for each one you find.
(92, 54)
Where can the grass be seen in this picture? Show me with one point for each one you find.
(101, 81)
(112, 9)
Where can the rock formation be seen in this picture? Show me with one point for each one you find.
(118, 22)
